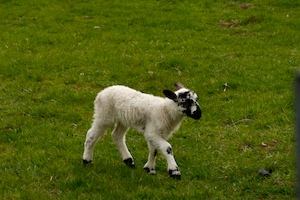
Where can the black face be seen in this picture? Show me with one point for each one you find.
(187, 101)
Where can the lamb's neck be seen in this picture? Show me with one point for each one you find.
(174, 114)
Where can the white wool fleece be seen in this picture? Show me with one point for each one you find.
(138, 110)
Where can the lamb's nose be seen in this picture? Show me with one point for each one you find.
(197, 114)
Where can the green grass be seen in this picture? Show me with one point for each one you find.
(55, 56)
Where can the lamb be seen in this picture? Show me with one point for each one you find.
(155, 117)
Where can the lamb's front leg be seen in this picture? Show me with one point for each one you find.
(167, 151)
(150, 165)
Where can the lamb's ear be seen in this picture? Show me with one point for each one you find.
(171, 95)
(178, 85)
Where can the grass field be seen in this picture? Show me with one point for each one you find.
(55, 56)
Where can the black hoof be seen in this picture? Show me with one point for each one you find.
(177, 177)
(175, 174)
(150, 171)
(86, 162)
(129, 162)
(147, 169)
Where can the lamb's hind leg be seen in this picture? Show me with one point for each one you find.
(118, 136)
(94, 133)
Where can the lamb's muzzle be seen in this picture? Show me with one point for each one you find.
(196, 114)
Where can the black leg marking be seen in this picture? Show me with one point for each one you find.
(155, 152)
(86, 162)
(129, 162)
(169, 150)
(150, 171)
(147, 169)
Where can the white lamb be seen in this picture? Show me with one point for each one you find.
(156, 117)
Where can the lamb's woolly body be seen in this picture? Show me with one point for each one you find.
(156, 117)
(121, 104)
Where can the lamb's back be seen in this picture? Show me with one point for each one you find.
(127, 105)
